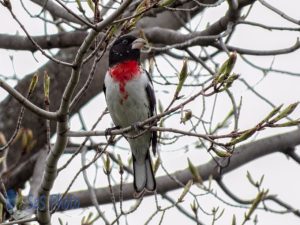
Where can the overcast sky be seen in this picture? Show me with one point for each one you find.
(281, 175)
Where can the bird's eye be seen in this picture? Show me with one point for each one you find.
(125, 42)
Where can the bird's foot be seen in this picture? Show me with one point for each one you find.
(108, 131)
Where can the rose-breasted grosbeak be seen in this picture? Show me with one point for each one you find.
(130, 99)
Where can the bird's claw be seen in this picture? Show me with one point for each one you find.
(108, 131)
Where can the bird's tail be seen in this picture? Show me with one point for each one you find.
(143, 175)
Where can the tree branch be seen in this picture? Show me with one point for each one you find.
(57, 11)
(43, 212)
(242, 155)
(60, 40)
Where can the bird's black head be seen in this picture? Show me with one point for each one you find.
(125, 48)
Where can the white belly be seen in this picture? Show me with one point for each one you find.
(125, 111)
(129, 107)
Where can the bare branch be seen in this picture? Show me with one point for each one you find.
(26, 103)
(282, 14)
(60, 40)
(241, 156)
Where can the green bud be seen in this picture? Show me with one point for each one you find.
(226, 68)
(24, 140)
(19, 201)
(160, 107)
(33, 83)
(271, 114)
(120, 162)
(187, 116)
(2, 159)
(222, 154)
(91, 5)
(261, 180)
(231, 79)
(186, 189)
(29, 134)
(30, 146)
(251, 180)
(156, 165)
(255, 221)
(79, 6)
(194, 207)
(2, 139)
(289, 124)
(261, 195)
(113, 30)
(233, 220)
(82, 220)
(194, 172)
(286, 112)
(46, 85)
(210, 180)
(60, 221)
(89, 217)
(107, 167)
(182, 77)
(225, 122)
(242, 137)
(138, 11)
(130, 161)
(164, 3)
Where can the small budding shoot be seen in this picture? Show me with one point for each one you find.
(222, 154)
(186, 189)
(19, 201)
(224, 76)
(242, 137)
(91, 5)
(187, 116)
(233, 220)
(286, 112)
(139, 11)
(260, 197)
(46, 87)
(79, 6)
(156, 165)
(60, 221)
(121, 165)
(182, 77)
(33, 83)
(164, 3)
(2, 139)
(271, 114)
(251, 180)
(107, 167)
(194, 207)
(194, 172)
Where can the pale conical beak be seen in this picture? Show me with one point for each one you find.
(138, 43)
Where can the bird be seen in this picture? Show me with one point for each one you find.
(131, 99)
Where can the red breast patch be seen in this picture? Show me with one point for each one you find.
(123, 72)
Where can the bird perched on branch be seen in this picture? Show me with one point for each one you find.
(130, 99)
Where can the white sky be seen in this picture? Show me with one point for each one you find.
(280, 173)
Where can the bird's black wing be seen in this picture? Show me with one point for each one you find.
(152, 104)
(104, 89)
